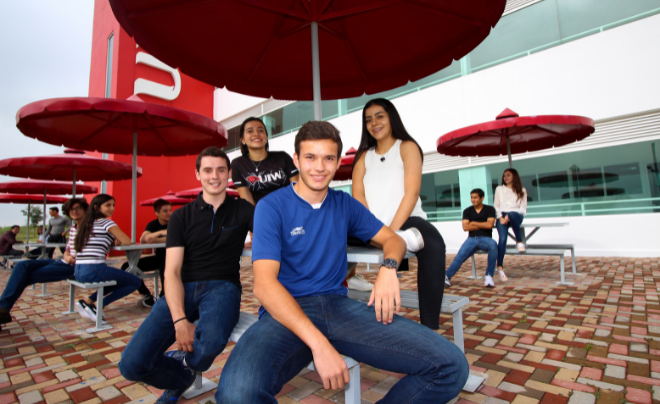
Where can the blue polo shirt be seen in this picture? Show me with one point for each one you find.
(309, 242)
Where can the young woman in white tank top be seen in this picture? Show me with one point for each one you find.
(387, 177)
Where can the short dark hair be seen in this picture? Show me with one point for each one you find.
(69, 204)
(318, 130)
(211, 151)
(478, 191)
(241, 133)
(55, 208)
(160, 202)
(14, 226)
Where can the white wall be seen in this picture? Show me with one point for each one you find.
(227, 103)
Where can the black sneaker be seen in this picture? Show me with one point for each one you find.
(5, 317)
(149, 302)
(172, 396)
(90, 311)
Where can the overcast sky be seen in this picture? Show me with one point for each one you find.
(45, 49)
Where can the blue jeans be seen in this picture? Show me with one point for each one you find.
(469, 247)
(515, 220)
(126, 283)
(27, 273)
(215, 303)
(268, 355)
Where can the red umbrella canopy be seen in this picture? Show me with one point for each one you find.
(523, 134)
(170, 197)
(107, 125)
(61, 167)
(14, 198)
(345, 170)
(39, 187)
(192, 193)
(365, 45)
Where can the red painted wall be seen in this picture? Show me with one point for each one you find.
(159, 174)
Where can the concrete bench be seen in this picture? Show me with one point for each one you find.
(99, 287)
(570, 247)
(351, 390)
(531, 251)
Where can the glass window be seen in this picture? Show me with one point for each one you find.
(441, 196)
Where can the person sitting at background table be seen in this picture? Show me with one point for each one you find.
(36, 253)
(510, 206)
(155, 232)
(96, 233)
(57, 228)
(8, 240)
(29, 272)
(258, 171)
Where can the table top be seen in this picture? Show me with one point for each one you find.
(137, 246)
(553, 224)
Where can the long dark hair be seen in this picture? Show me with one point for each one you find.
(87, 223)
(516, 184)
(398, 130)
(241, 133)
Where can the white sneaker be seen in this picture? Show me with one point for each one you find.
(357, 282)
(413, 239)
(447, 281)
(520, 247)
(488, 281)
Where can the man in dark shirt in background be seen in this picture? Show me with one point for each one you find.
(8, 240)
(478, 220)
(204, 244)
(155, 232)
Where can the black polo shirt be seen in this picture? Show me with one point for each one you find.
(213, 241)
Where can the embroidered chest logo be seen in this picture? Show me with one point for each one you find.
(297, 231)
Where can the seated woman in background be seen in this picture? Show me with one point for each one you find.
(387, 177)
(258, 171)
(510, 203)
(96, 233)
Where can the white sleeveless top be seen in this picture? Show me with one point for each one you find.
(384, 184)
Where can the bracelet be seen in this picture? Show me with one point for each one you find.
(182, 318)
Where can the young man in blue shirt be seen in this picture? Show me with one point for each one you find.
(299, 261)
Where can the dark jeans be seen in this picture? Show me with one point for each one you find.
(126, 283)
(268, 355)
(215, 303)
(515, 220)
(147, 264)
(55, 238)
(14, 253)
(469, 247)
(27, 273)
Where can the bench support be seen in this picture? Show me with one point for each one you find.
(44, 292)
(100, 289)
(474, 269)
(457, 319)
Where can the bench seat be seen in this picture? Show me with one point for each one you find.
(533, 252)
(99, 287)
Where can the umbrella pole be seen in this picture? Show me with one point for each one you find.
(27, 238)
(74, 182)
(508, 150)
(134, 188)
(316, 72)
(44, 231)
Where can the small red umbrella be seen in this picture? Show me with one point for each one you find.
(30, 199)
(71, 165)
(170, 197)
(510, 133)
(345, 170)
(346, 47)
(192, 193)
(130, 126)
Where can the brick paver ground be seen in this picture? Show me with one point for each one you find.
(597, 341)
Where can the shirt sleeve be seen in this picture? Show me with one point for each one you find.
(151, 228)
(363, 224)
(108, 224)
(290, 168)
(496, 203)
(236, 173)
(175, 230)
(466, 216)
(491, 212)
(267, 240)
(523, 203)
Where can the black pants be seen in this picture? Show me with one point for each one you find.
(147, 264)
(14, 253)
(55, 238)
(430, 270)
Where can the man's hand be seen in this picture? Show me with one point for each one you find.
(331, 367)
(386, 295)
(69, 259)
(185, 335)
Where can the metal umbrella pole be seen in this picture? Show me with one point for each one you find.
(44, 231)
(134, 188)
(508, 150)
(27, 238)
(316, 72)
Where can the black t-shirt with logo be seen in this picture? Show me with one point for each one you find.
(265, 176)
(483, 216)
(153, 227)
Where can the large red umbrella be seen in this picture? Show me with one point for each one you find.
(130, 126)
(72, 165)
(271, 48)
(30, 199)
(192, 193)
(345, 170)
(170, 197)
(511, 133)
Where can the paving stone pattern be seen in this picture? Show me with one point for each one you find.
(595, 342)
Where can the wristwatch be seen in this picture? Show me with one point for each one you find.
(390, 263)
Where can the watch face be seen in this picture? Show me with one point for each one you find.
(390, 263)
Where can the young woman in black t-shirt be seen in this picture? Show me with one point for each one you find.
(258, 171)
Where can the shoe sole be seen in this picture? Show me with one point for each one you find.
(83, 313)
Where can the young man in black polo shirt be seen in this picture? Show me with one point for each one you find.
(204, 243)
(155, 232)
(478, 220)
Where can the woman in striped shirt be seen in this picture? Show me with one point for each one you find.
(96, 233)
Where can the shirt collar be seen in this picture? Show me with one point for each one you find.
(201, 204)
(314, 205)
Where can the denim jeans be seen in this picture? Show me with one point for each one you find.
(55, 238)
(515, 220)
(469, 247)
(268, 355)
(27, 273)
(126, 283)
(215, 303)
